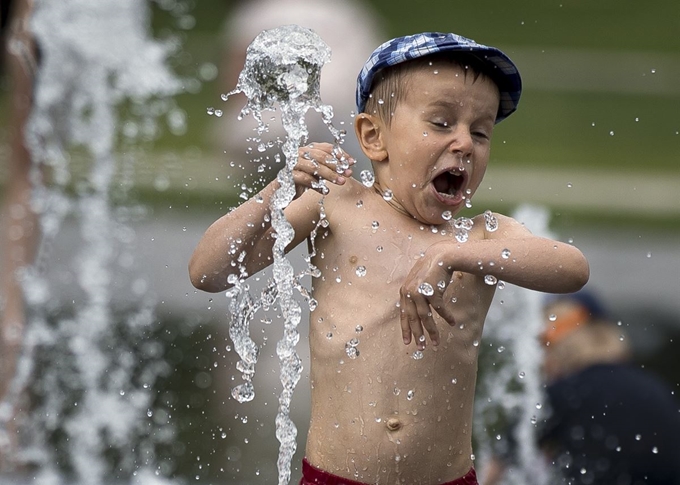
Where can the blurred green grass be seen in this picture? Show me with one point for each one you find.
(634, 132)
(552, 128)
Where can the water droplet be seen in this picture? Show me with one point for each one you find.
(475, 343)
(361, 271)
(552, 317)
(446, 215)
(441, 285)
(358, 328)
(329, 335)
(454, 381)
(539, 405)
(501, 284)
(417, 355)
(490, 221)
(244, 392)
(521, 375)
(655, 450)
(379, 249)
(367, 178)
(375, 225)
(210, 111)
(426, 289)
(410, 394)
(218, 113)
(352, 352)
(501, 349)
(360, 203)
(387, 195)
(505, 254)
(490, 280)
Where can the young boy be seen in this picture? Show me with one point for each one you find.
(393, 265)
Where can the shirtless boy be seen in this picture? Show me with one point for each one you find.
(387, 417)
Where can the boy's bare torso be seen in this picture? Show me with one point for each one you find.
(379, 416)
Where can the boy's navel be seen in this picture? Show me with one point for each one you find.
(393, 424)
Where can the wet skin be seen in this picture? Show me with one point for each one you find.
(365, 424)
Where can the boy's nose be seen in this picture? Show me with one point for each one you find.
(462, 142)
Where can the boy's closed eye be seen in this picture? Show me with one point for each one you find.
(481, 134)
(440, 123)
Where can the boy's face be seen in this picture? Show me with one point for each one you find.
(438, 140)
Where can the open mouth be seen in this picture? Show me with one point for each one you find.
(449, 184)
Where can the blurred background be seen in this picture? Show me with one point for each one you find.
(596, 141)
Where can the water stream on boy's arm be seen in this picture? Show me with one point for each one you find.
(282, 67)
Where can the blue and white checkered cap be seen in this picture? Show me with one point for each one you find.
(409, 47)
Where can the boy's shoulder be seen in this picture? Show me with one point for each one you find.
(494, 225)
(350, 195)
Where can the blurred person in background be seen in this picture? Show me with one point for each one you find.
(350, 28)
(610, 422)
(18, 223)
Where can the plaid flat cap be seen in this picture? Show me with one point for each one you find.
(395, 51)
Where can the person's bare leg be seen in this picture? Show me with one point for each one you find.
(18, 223)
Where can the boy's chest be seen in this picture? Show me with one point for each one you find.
(370, 256)
(380, 247)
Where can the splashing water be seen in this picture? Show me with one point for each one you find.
(511, 391)
(283, 68)
(94, 55)
(461, 228)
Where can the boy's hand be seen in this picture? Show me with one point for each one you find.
(422, 291)
(318, 163)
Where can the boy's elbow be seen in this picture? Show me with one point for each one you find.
(201, 280)
(581, 273)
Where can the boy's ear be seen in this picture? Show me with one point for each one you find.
(370, 133)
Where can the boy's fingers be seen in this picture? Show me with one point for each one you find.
(427, 322)
(319, 170)
(403, 320)
(410, 323)
(439, 304)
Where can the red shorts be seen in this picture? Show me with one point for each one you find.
(312, 475)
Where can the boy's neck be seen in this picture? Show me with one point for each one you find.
(396, 206)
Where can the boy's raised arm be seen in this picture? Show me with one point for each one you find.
(245, 236)
(511, 254)
(243, 229)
